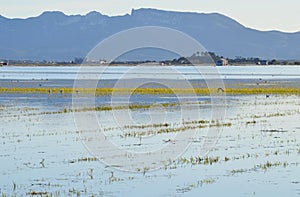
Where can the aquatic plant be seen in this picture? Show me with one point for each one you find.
(35, 193)
(197, 160)
(269, 165)
(85, 159)
(226, 159)
(172, 130)
(196, 185)
(90, 173)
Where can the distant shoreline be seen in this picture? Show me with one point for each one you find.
(119, 65)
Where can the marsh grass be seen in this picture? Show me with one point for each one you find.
(173, 130)
(274, 156)
(264, 166)
(35, 193)
(100, 108)
(198, 184)
(194, 160)
(210, 160)
(152, 91)
(85, 159)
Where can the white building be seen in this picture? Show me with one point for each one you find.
(222, 62)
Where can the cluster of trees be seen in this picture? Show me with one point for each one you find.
(208, 57)
(252, 60)
(196, 58)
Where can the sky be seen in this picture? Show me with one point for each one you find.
(282, 15)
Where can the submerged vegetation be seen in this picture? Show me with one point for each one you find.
(173, 130)
(252, 141)
(196, 185)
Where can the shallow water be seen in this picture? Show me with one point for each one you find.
(115, 72)
(44, 151)
(258, 154)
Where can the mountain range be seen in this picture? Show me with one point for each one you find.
(56, 36)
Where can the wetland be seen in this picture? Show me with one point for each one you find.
(45, 153)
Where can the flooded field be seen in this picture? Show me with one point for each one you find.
(257, 152)
(45, 151)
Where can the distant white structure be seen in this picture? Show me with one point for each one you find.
(103, 62)
(222, 62)
(3, 63)
(262, 62)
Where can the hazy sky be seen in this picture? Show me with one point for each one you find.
(281, 15)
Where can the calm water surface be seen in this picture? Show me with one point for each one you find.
(115, 72)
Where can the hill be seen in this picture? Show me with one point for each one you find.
(56, 36)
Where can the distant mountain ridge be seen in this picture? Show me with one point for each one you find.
(56, 36)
